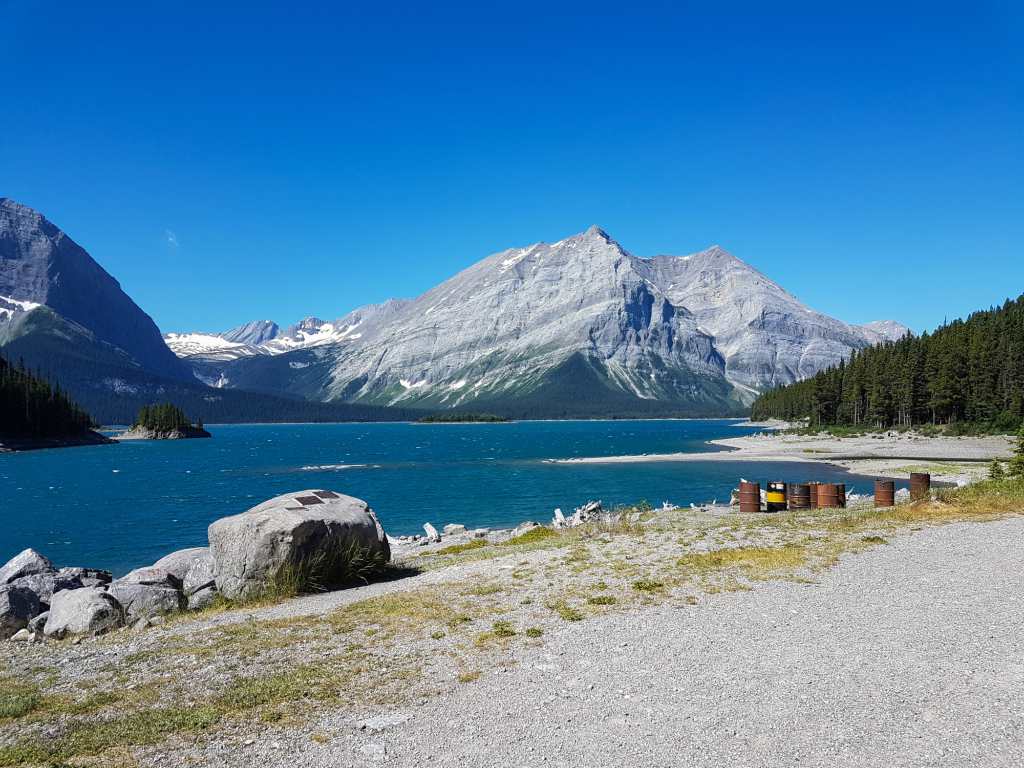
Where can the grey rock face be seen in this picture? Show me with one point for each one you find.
(704, 328)
(17, 606)
(248, 549)
(25, 563)
(89, 611)
(42, 265)
(144, 600)
(254, 333)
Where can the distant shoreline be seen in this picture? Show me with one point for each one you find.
(21, 444)
(949, 459)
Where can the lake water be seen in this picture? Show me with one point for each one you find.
(125, 505)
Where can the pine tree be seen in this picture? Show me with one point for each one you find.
(995, 470)
(1017, 462)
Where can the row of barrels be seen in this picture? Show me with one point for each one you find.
(780, 496)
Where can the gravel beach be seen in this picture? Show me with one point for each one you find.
(671, 637)
(911, 654)
(949, 459)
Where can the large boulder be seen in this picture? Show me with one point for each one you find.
(46, 584)
(25, 563)
(144, 600)
(189, 567)
(312, 531)
(18, 605)
(87, 611)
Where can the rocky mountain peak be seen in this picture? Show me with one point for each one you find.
(40, 265)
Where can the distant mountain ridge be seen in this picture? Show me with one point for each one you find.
(42, 266)
(66, 317)
(581, 325)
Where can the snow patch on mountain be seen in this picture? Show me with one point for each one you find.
(9, 306)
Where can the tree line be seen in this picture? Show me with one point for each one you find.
(31, 407)
(968, 373)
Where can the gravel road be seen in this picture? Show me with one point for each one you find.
(909, 655)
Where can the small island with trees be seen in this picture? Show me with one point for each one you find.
(36, 414)
(164, 421)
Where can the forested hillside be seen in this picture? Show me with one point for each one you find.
(31, 408)
(966, 372)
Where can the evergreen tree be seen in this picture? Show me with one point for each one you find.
(1017, 462)
(968, 373)
(995, 470)
(31, 407)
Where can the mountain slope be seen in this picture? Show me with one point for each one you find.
(696, 334)
(65, 317)
(42, 266)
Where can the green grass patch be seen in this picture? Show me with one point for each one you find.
(532, 536)
(456, 549)
(647, 585)
(566, 611)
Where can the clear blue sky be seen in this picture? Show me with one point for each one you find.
(234, 163)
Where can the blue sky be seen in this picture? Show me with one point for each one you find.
(233, 163)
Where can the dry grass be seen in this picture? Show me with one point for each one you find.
(753, 562)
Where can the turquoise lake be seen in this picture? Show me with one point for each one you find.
(125, 505)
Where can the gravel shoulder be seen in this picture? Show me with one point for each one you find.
(910, 654)
(668, 637)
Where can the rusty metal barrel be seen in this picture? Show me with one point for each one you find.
(828, 496)
(840, 495)
(799, 496)
(885, 493)
(920, 485)
(750, 496)
(775, 497)
(813, 490)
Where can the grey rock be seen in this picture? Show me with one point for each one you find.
(36, 625)
(180, 563)
(21, 636)
(90, 577)
(150, 575)
(431, 532)
(26, 563)
(17, 606)
(89, 611)
(45, 584)
(202, 598)
(383, 722)
(144, 600)
(454, 528)
(248, 549)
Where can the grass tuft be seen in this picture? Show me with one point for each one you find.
(566, 611)
(647, 585)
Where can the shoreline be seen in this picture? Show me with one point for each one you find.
(22, 444)
(957, 460)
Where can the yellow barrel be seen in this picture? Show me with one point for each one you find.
(775, 497)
